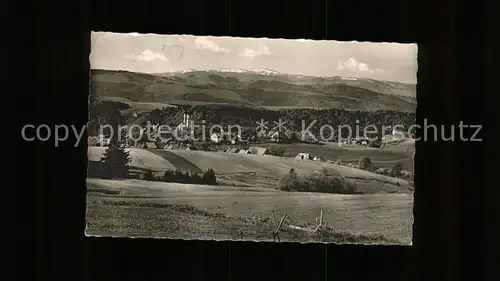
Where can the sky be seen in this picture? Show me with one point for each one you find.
(153, 53)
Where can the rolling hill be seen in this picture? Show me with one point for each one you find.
(252, 170)
(385, 158)
(273, 165)
(140, 158)
(252, 88)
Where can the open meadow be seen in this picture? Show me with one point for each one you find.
(348, 153)
(145, 209)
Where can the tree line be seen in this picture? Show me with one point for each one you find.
(295, 119)
(207, 178)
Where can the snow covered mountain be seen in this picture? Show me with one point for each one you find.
(261, 71)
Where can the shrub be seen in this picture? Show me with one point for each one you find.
(186, 177)
(408, 177)
(190, 178)
(149, 175)
(196, 179)
(178, 176)
(376, 143)
(209, 177)
(396, 170)
(318, 181)
(365, 163)
(290, 181)
(167, 176)
(337, 185)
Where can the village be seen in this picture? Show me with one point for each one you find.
(258, 143)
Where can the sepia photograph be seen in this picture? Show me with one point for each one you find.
(251, 139)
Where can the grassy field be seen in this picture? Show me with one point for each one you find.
(229, 163)
(405, 146)
(252, 170)
(383, 158)
(140, 158)
(178, 161)
(140, 208)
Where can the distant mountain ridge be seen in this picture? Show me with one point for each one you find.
(254, 88)
(271, 72)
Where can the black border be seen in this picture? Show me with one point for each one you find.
(57, 94)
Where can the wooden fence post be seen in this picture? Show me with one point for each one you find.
(276, 232)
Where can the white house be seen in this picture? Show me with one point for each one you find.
(397, 132)
(318, 158)
(217, 137)
(303, 156)
(406, 173)
(258, 150)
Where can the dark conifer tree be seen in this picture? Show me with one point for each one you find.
(117, 159)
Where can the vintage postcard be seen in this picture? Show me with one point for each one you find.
(254, 139)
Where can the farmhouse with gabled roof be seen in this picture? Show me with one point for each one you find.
(303, 156)
(259, 150)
